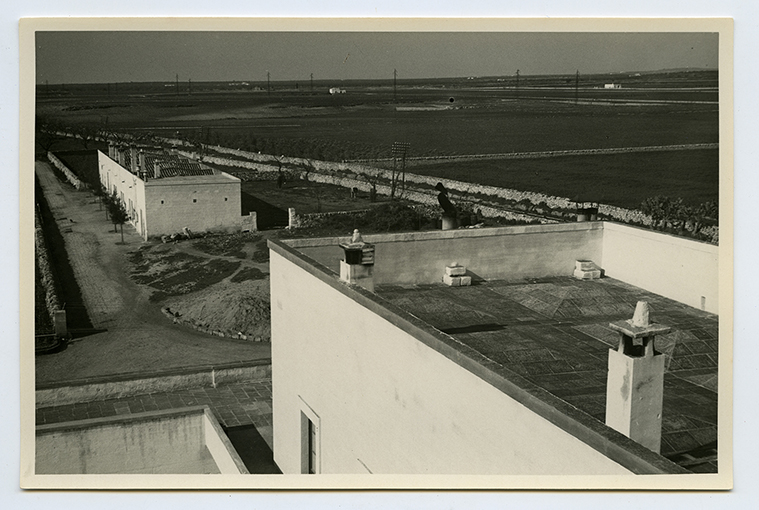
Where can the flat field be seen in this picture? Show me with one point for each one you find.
(444, 118)
(624, 180)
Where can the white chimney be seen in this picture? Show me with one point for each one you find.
(357, 266)
(635, 383)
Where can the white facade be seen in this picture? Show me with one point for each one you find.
(166, 205)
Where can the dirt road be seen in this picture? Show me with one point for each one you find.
(137, 336)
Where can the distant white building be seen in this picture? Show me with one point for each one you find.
(336, 90)
(612, 86)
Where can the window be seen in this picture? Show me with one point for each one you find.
(161, 201)
(194, 200)
(310, 445)
(311, 433)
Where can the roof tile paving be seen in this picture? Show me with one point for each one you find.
(563, 346)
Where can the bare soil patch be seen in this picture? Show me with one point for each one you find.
(212, 284)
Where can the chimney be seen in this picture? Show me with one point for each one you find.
(156, 170)
(133, 159)
(141, 161)
(635, 383)
(111, 150)
(357, 266)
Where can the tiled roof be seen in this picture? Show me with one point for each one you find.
(174, 166)
(555, 333)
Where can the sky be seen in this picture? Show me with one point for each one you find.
(123, 56)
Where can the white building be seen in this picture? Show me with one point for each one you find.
(164, 193)
(508, 376)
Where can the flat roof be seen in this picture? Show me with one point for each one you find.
(545, 342)
(555, 333)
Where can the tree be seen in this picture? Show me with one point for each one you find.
(656, 208)
(704, 214)
(87, 133)
(46, 133)
(118, 213)
(100, 192)
(666, 212)
(372, 180)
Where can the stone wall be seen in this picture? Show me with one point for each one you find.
(52, 301)
(354, 174)
(70, 176)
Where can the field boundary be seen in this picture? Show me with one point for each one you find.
(359, 175)
(550, 154)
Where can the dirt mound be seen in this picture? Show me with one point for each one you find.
(209, 284)
(235, 310)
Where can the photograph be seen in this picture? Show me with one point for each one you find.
(376, 254)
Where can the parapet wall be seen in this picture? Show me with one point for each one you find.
(490, 253)
(677, 268)
(163, 442)
(680, 269)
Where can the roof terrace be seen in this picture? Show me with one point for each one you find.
(532, 329)
(555, 333)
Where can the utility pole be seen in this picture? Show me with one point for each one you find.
(399, 149)
(268, 83)
(577, 85)
(177, 83)
(517, 83)
(189, 86)
(395, 78)
(312, 83)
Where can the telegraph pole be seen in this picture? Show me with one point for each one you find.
(577, 85)
(395, 78)
(268, 83)
(399, 149)
(517, 83)
(312, 83)
(189, 86)
(177, 83)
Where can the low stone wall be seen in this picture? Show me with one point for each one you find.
(354, 174)
(70, 176)
(203, 328)
(88, 390)
(52, 301)
(310, 220)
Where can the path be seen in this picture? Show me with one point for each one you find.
(137, 336)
